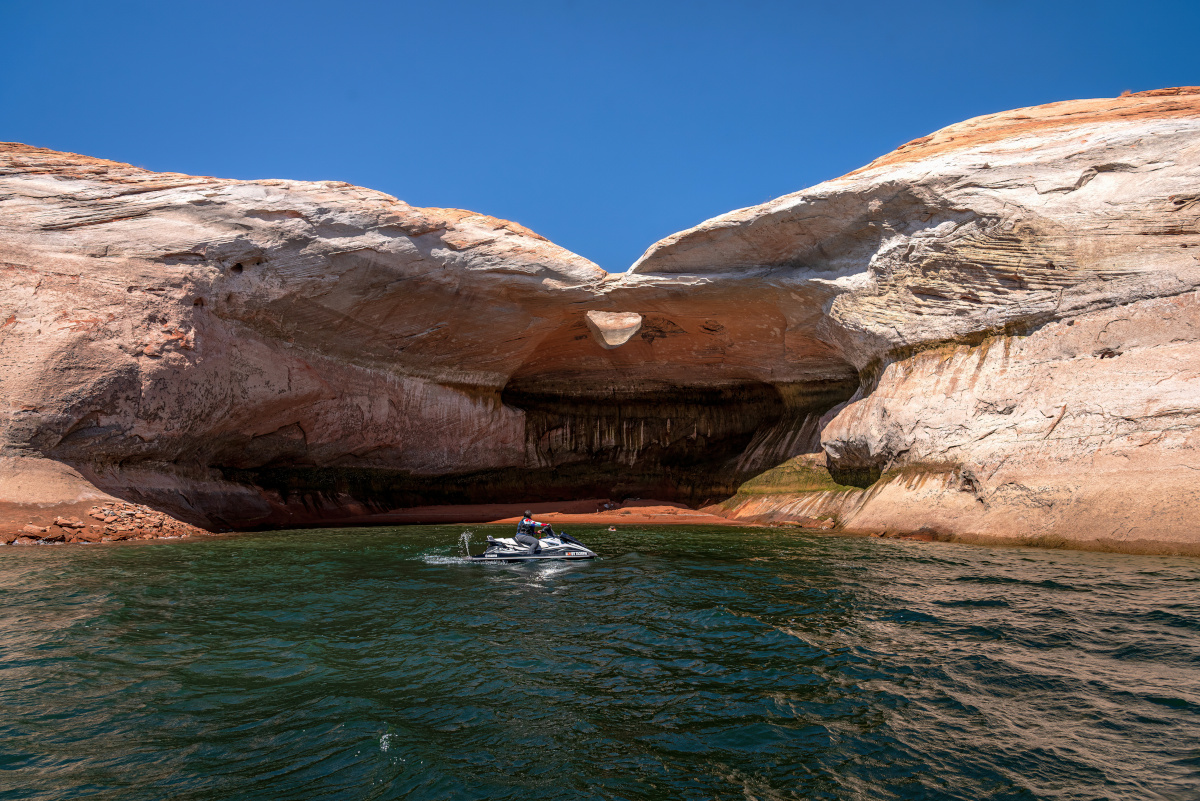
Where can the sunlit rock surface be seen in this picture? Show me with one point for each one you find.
(1024, 319)
(279, 352)
(613, 329)
(989, 334)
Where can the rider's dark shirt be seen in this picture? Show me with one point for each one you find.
(528, 526)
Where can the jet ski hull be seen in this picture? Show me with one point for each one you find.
(556, 547)
(531, 557)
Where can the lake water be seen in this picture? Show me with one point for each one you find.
(685, 664)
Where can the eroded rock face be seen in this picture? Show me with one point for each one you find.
(162, 330)
(276, 352)
(990, 333)
(1024, 320)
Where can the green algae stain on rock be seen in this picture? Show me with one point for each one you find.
(804, 473)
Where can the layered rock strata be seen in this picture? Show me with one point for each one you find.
(987, 335)
(1025, 327)
(247, 354)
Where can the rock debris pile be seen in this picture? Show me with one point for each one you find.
(107, 523)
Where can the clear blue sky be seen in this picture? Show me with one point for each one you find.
(603, 125)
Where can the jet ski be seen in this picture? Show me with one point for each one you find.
(552, 546)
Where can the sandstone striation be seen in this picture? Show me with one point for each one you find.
(1024, 321)
(248, 354)
(988, 335)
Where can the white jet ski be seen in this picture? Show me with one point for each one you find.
(552, 546)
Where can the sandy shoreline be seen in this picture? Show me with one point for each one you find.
(590, 512)
(119, 521)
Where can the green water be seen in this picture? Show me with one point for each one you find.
(685, 664)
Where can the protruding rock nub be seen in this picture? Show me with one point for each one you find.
(614, 329)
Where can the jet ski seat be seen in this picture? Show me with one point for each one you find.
(529, 541)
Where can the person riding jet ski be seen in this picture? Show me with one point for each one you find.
(527, 547)
(528, 531)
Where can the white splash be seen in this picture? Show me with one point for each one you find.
(442, 559)
(386, 742)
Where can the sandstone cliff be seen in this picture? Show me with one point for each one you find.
(265, 353)
(1024, 321)
(989, 334)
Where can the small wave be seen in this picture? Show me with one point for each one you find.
(1046, 584)
(909, 616)
(980, 603)
(1171, 702)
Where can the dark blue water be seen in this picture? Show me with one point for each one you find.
(701, 664)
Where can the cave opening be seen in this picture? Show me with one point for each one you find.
(677, 444)
(692, 445)
(686, 444)
(685, 413)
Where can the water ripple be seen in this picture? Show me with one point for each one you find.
(684, 664)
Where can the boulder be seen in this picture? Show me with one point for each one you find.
(613, 329)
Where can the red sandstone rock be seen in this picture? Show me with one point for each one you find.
(643, 513)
